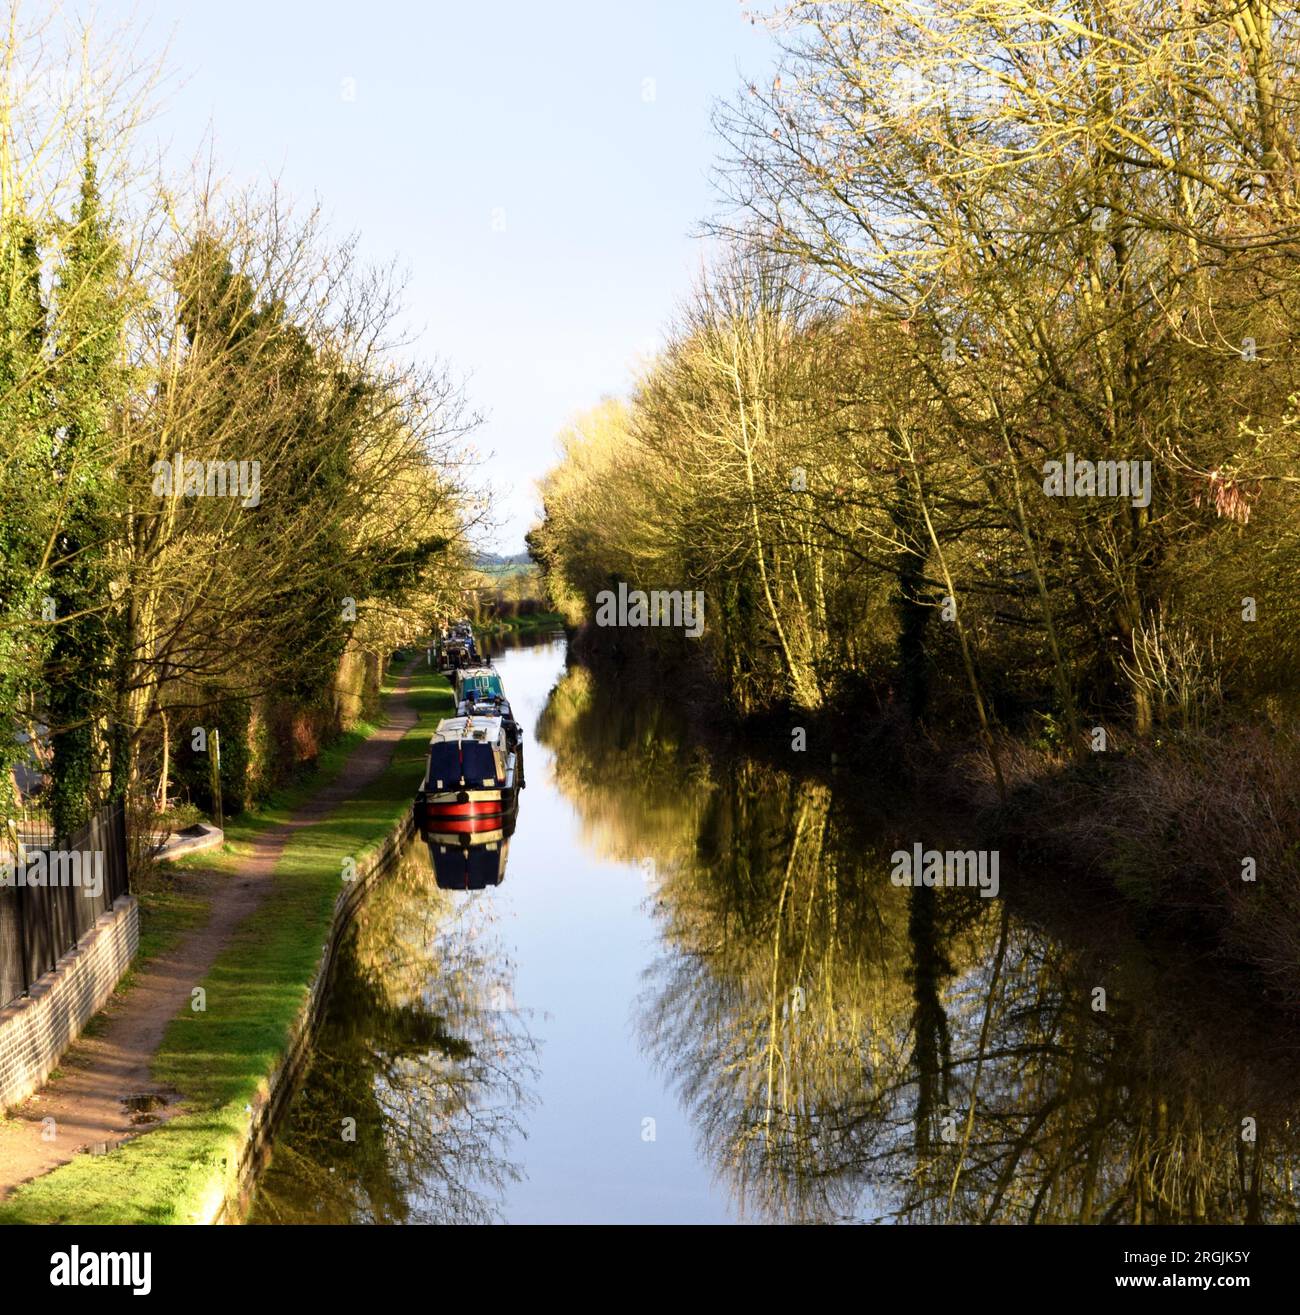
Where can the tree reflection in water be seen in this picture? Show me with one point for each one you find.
(849, 1049)
(423, 1047)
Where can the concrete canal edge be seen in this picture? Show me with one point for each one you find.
(230, 1195)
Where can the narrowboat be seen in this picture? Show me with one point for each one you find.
(478, 682)
(499, 706)
(470, 777)
(456, 650)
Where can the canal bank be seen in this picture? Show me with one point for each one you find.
(230, 1058)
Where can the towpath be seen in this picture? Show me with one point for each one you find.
(88, 1100)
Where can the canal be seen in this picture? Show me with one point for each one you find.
(697, 996)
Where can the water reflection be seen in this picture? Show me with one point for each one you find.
(849, 1049)
(471, 860)
(845, 1049)
(421, 1073)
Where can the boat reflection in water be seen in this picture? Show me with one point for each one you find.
(472, 859)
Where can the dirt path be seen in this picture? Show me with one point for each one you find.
(99, 1072)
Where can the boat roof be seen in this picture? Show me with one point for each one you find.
(485, 729)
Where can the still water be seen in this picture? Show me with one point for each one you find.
(697, 997)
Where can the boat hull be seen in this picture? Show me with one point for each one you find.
(453, 813)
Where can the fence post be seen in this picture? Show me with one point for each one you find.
(20, 887)
(93, 830)
(214, 760)
(122, 885)
(48, 904)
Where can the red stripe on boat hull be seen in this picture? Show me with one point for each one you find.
(463, 826)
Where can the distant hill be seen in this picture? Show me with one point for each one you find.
(491, 561)
(500, 567)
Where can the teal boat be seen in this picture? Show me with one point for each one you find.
(478, 684)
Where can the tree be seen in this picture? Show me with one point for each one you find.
(89, 388)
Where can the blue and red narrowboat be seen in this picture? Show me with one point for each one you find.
(471, 777)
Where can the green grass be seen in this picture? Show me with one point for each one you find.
(167, 912)
(217, 1059)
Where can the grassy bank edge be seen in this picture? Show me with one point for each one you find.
(217, 1059)
(533, 624)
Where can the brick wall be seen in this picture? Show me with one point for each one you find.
(35, 1032)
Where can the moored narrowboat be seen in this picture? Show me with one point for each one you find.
(471, 777)
(494, 706)
(478, 682)
(456, 649)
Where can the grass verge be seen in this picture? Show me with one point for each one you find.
(217, 1059)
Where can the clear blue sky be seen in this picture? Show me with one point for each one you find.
(463, 108)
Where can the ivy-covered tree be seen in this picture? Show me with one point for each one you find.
(25, 513)
(88, 388)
